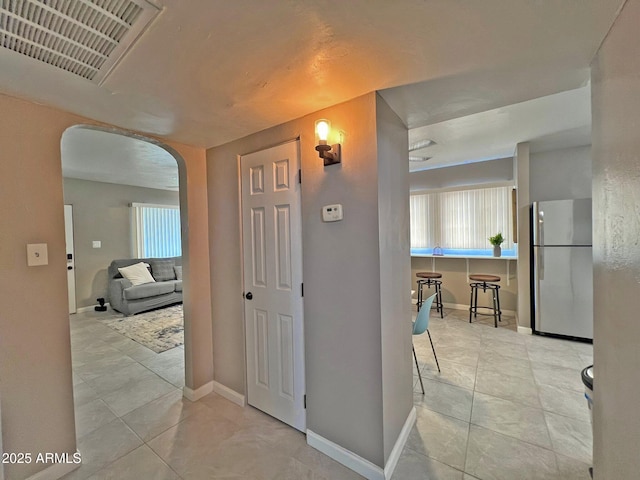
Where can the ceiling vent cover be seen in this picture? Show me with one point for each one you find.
(84, 37)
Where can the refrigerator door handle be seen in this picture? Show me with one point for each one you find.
(538, 225)
(541, 228)
(540, 261)
(536, 289)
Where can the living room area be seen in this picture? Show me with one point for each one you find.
(127, 331)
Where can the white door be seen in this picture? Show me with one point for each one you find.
(71, 272)
(272, 250)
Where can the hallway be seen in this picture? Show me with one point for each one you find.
(505, 406)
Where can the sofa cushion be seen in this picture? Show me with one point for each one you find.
(148, 290)
(178, 285)
(162, 269)
(178, 270)
(137, 274)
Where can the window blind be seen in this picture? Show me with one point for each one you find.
(156, 231)
(463, 219)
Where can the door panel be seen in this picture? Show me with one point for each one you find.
(272, 252)
(283, 249)
(259, 249)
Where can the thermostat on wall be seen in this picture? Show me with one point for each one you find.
(332, 213)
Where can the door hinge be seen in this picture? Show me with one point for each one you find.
(305, 401)
(302, 289)
(300, 176)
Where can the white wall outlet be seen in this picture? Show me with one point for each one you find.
(332, 213)
(97, 244)
(37, 254)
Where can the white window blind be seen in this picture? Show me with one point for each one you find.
(156, 230)
(461, 220)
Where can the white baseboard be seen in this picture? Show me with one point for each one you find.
(198, 393)
(229, 394)
(392, 461)
(90, 308)
(525, 330)
(345, 457)
(55, 471)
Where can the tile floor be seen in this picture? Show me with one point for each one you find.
(506, 406)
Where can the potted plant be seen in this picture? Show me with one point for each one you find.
(496, 241)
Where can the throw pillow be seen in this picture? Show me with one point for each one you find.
(178, 270)
(162, 269)
(137, 274)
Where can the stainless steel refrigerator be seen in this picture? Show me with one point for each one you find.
(562, 273)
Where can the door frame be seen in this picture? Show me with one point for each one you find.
(242, 262)
(70, 232)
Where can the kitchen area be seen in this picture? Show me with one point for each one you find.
(517, 388)
(554, 178)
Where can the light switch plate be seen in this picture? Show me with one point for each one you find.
(332, 213)
(37, 254)
(97, 244)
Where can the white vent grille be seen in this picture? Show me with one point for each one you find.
(84, 37)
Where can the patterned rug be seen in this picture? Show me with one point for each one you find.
(158, 330)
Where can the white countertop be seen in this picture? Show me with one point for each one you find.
(479, 257)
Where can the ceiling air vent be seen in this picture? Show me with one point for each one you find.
(84, 37)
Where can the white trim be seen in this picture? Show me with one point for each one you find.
(229, 394)
(345, 457)
(525, 330)
(55, 471)
(198, 393)
(394, 456)
(90, 308)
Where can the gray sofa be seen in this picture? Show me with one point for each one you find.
(131, 299)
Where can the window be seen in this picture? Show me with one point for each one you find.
(461, 222)
(156, 230)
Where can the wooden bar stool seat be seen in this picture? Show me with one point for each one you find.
(485, 282)
(429, 279)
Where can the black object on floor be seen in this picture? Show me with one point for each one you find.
(102, 307)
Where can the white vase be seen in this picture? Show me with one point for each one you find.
(497, 251)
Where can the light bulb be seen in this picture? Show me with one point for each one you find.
(322, 130)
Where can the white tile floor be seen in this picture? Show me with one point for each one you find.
(506, 406)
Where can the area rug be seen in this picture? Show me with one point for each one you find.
(158, 330)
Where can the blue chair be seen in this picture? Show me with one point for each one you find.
(420, 326)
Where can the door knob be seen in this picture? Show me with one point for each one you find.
(249, 296)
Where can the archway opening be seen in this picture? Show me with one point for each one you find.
(122, 187)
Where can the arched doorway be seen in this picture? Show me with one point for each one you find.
(109, 159)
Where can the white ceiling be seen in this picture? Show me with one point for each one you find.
(209, 71)
(556, 121)
(100, 156)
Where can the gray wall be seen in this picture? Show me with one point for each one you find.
(560, 174)
(478, 173)
(616, 206)
(101, 212)
(395, 271)
(342, 274)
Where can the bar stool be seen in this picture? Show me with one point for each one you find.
(485, 282)
(429, 279)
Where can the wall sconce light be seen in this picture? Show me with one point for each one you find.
(331, 154)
